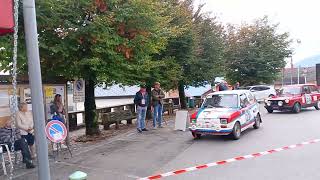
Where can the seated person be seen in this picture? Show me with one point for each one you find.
(24, 122)
(20, 144)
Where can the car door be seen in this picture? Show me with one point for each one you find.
(254, 106)
(244, 104)
(307, 96)
(264, 92)
(314, 92)
(256, 91)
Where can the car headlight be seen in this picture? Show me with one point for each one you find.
(223, 121)
(280, 103)
(268, 103)
(287, 101)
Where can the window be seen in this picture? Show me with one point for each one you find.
(251, 98)
(264, 88)
(244, 102)
(221, 101)
(290, 90)
(306, 90)
(256, 89)
(313, 89)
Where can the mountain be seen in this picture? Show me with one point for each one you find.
(308, 62)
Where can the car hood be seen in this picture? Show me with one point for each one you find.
(216, 113)
(282, 97)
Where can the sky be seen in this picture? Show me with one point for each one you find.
(298, 17)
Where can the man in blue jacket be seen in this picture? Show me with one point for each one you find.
(141, 100)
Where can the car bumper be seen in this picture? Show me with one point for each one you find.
(223, 131)
(280, 108)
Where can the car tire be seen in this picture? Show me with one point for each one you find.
(257, 121)
(196, 136)
(296, 108)
(270, 95)
(317, 106)
(236, 132)
(270, 110)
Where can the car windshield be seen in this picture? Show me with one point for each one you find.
(221, 101)
(290, 90)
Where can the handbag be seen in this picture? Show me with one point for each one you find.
(57, 118)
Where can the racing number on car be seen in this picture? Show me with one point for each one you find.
(248, 115)
(308, 99)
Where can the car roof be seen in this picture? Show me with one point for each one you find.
(261, 85)
(299, 85)
(238, 92)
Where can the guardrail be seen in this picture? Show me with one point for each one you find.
(170, 104)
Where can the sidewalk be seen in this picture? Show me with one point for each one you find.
(128, 155)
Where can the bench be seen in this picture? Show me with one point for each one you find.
(116, 118)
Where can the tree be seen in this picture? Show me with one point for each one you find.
(197, 49)
(100, 41)
(256, 52)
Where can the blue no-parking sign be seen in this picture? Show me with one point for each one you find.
(78, 91)
(56, 131)
(79, 85)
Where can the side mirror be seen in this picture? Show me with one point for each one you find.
(242, 105)
(252, 90)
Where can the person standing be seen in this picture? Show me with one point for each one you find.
(157, 104)
(223, 86)
(24, 122)
(57, 109)
(58, 112)
(141, 101)
(236, 86)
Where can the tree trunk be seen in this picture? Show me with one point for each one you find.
(149, 113)
(182, 95)
(91, 119)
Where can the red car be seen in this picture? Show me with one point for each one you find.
(294, 97)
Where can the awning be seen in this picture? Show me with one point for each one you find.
(6, 17)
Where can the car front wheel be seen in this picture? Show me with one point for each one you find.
(196, 136)
(270, 110)
(317, 106)
(236, 132)
(257, 121)
(296, 108)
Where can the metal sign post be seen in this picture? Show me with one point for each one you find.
(31, 36)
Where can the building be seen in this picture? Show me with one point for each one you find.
(306, 75)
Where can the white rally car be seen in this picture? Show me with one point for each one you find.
(226, 113)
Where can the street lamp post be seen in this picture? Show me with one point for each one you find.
(31, 37)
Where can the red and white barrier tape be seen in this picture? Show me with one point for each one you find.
(181, 171)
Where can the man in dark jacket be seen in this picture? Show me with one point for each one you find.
(20, 144)
(223, 86)
(157, 104)
(236, 86)
(141, 100)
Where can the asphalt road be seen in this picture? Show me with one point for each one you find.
(278, 129)
(132, 155)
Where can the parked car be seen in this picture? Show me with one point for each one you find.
(262, 92)
(226, 113)
(294, 97)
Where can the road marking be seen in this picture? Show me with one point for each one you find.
(240, 158)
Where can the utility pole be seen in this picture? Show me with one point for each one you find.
(31, 36)
(298, 74)
(291, 74)
(283, 69)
